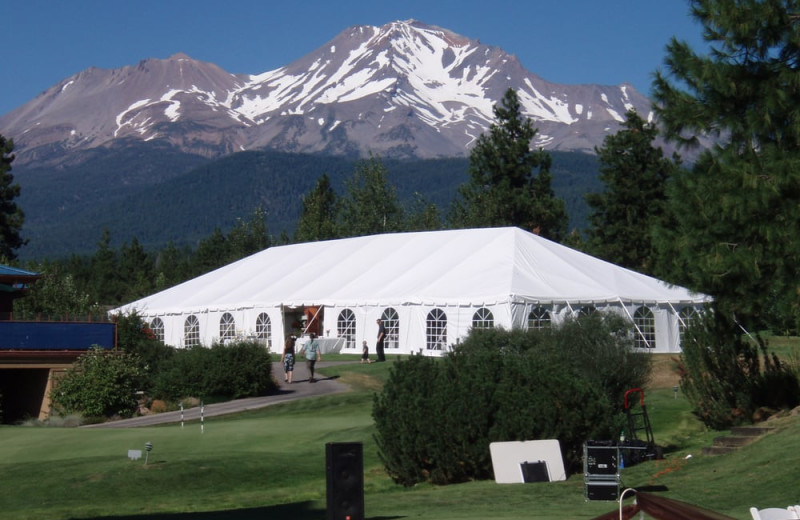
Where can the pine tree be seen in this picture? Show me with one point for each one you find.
(249, 236)
(11, 216)
(737, 224)
(135, 271)
(212, 252)
(635, 174)
(503, 189)
(171, 266)
(423, 215)
(106, 287)
(318, 216)
(370, 205)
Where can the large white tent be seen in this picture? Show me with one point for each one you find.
(428, 288)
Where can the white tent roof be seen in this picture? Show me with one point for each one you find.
(456, 267)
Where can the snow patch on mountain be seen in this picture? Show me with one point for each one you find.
(405, 89)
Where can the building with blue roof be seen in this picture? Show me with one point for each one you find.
(33, 353)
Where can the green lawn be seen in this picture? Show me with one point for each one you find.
(271, 464)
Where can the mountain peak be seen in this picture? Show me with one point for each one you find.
(405, 89)
(178, 56)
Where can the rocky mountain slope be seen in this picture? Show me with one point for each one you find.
(403, 90)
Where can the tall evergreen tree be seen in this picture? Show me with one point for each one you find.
(106, 287)
(737, 233)
(318, 216)
(11, 215)
(423, 215)
(370, 204)
(135, 271)
(249, 236)
(212, 252)
(635, 174)
(171, 267)
(504, 189)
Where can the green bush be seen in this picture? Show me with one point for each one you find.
(134, 336)
(722, 374)
(99, 384)
(221, 371)
(406, 413)
(548, 399)
(600, 346)
(435, 419)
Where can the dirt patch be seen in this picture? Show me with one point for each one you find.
(364, 381)
(665, 373)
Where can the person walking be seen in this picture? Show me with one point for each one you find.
(381, 338)
(313, 354)
(365, 353)
(287, 358)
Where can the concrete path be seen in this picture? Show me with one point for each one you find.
(300, 388)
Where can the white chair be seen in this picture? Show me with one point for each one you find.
(773, 513)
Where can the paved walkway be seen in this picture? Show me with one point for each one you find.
(299, 389)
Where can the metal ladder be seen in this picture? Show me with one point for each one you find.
(638, 421)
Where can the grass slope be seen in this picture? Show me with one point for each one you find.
(270, 464)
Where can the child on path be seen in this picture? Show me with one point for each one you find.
(365, 353)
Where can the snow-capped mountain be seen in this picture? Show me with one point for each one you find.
(405, 89)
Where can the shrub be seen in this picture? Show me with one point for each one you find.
(468, 407)
(229, 371)
(134, 336)
(435, 419)
(548, 399)
(406, 415)
(600, 346)
(99, 384)
(722, 375)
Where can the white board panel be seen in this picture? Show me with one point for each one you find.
(507, 457)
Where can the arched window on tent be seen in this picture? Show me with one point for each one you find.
(483, 319)
(588, 310)
(346, 327)
(539, 318)
(391, 321)
(687, 316)
(646, 323)
(264, 328)
(157, 326)
(436, 330)
(191, 331)
(227, 327)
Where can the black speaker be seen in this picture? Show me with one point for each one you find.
(345, 478)
(602, 490)
(600, 458)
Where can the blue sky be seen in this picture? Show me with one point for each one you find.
(564, 41)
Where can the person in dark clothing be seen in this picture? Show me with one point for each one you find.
(381, 339)
(287, 358)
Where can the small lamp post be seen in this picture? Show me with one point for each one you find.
(148, 447)
(675, 391)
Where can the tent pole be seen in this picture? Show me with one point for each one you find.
(641, 334)
(677, 315)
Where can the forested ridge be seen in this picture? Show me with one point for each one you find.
(158, 196)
